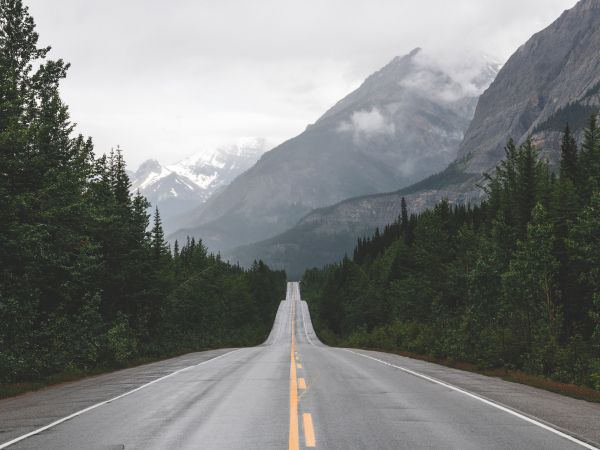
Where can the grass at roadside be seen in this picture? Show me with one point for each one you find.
(516, 376)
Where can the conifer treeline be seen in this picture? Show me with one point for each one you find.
(513, 282)
(82, 282)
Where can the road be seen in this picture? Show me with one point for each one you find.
(294, 392)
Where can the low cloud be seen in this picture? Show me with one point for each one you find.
(448, 78)
(365, 124)
(224, 69)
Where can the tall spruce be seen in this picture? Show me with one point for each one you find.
(590, 159)
(158, 244)
(568, 157)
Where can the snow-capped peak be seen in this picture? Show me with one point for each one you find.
(219, 166)
(191, 181)
(148, 173)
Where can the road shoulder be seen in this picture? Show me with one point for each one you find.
(27, 412)
(572, 416)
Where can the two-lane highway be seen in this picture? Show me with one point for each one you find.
(294, 392)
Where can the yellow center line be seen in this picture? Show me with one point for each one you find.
(309, 432)
(301, 383)
(294, 437)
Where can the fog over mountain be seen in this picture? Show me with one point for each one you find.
(552, 79)
(402, 124)
(200, 73)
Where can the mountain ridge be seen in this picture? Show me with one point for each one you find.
(403, 123)
(501, 113)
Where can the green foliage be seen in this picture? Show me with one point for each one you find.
(121, 344)
(84, 283)
(511, 283)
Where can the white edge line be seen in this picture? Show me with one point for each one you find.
(97, 405)
(278, 332)
(302, 303)
(481, 399)
(304, 321)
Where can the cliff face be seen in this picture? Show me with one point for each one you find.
(402, 124)
(557, 67)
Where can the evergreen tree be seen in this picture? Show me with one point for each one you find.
(405, 224)
(584, 244)
(508, 283)
(158, 244)
(403, 213)
(120, 180)
(590, 160)
(84, 284)
(568, 157)
(527, 183)
(531, 284)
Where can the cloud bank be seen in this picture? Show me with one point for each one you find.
(164, 82)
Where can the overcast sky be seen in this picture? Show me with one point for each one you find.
(167, 79)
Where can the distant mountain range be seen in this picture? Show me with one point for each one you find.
(403, 123)
(179, 188)
(552, 79)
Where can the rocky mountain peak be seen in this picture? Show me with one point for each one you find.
(556, 68)
(584, 6)
(420, 73)
(150, 165)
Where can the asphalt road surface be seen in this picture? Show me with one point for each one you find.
(294, 392)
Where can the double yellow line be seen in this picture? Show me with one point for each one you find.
(294, 436)
(309, 434)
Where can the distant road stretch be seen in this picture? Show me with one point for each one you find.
(294, 392)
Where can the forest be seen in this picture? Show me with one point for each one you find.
(87, 280)
(511, 283)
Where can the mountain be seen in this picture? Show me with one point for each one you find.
(213, 170)
(403, 123)
(171, 192)
(552, 79)
(557, 70)
(324, 235)
(180, 187)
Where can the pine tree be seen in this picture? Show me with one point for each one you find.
(590, 135)
(531, 283)
(584, 245)
(568, 157)
(140, 219)
(158, 244)
(83, 282)
(526, 189)
(405, 226)
(590, 160)
(120, 180)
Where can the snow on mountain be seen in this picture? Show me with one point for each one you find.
(213, 169)
(188, 183)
